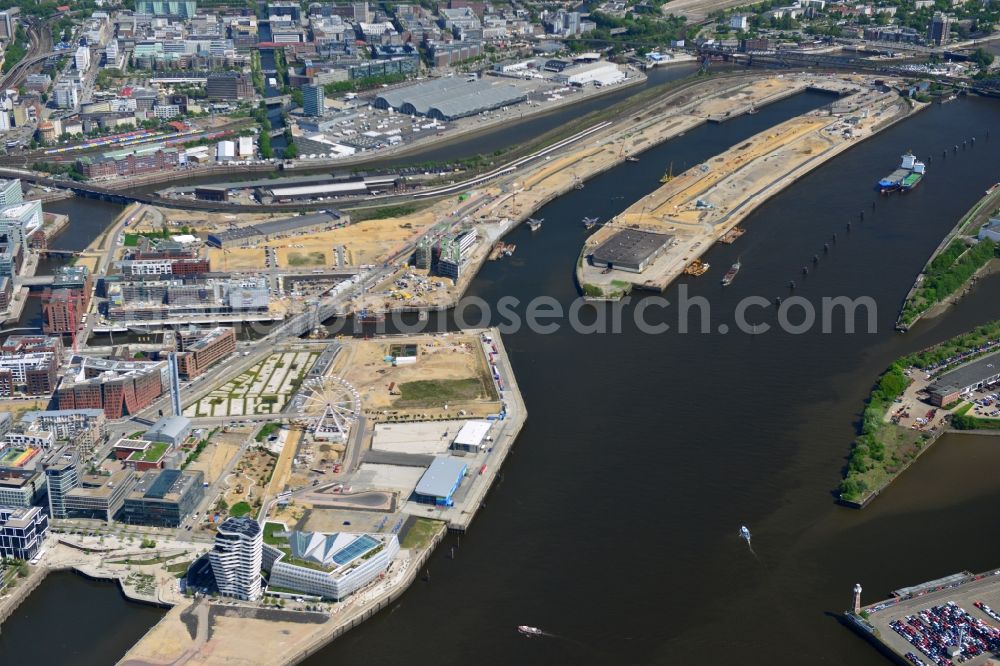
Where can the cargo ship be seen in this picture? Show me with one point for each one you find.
(906, 177)
(730, 275)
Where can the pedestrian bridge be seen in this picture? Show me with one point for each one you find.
(35, 281)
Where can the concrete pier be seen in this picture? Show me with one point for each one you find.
(964, 589)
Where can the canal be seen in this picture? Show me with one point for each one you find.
(615, 526)
(69, 619)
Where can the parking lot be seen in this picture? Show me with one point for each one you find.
(926, 628)
(424, 437)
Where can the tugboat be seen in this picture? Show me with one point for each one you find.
(525, 630)
(535, 224)
(730, 275)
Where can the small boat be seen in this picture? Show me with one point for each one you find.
(589, 222)
(753, 109)
(525, 630)
(730, 275)
(697, 268)
(577, 184)
(535, 224)
(732, 235)
(630, 158)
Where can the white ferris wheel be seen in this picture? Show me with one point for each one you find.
(331, 406)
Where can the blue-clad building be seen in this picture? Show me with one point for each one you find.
(440, 481)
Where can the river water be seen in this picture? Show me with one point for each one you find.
(615, 525)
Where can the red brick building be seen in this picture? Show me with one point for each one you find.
(127, 165)
(203, 349)
(62, 310)
(190, 266)
(119, 388)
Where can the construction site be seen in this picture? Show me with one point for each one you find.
(858, 108)
(395, 435)
(703, 205)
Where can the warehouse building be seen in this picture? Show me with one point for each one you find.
(630, 250)
(338, 188)
(471, 438)
(978, 374)
(598, 73)
(451, 98)
(172, 430)
(302, 224)
(440, 481)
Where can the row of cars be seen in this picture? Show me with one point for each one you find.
(947, 634)
(986, 402)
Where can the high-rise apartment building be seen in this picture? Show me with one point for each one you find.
(236, 558)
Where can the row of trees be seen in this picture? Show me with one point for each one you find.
(367, 83)
(16, 50)
(949, 271)
(869, 449)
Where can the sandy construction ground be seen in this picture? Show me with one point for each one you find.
(283, 468)
(698, 206)
(172, 642)
(438, 358)
(220, 450)
(365, 242)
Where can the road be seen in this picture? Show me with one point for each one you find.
(219, 486)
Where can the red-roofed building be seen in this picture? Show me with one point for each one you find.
(62, 8)
(126, 91)
(178, 125)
